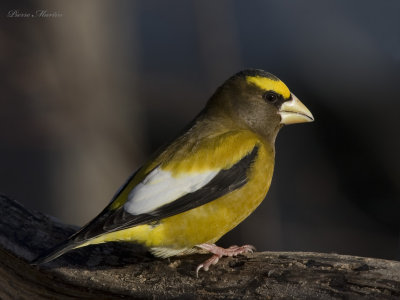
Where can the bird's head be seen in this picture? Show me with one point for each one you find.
(260, 101)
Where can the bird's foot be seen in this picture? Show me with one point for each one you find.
(220, 252)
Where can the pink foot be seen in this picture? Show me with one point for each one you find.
(219, 252)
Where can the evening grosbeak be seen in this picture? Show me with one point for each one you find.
(206, 181)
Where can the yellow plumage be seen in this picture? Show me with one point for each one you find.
(205, 182)
(207, 223)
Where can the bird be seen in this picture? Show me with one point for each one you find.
(205, 182)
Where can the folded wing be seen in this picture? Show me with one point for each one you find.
(160, 195)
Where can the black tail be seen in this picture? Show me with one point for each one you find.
(55, 252)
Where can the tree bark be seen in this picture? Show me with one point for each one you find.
(122, 270)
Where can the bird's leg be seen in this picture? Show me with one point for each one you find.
(220, 252)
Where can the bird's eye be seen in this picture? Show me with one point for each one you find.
(270, 97)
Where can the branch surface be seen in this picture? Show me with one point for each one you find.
(121, 270)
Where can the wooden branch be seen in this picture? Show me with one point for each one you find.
(114, 271)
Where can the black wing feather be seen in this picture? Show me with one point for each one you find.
(224, 182)
(108, 220)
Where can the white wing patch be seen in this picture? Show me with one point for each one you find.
(160, 188)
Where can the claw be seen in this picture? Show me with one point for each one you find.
(198, 269)
(220, 252)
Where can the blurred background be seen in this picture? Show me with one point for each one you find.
(90, 89)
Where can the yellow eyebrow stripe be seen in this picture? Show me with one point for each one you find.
(269, 84)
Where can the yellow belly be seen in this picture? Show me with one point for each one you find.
(206, 223)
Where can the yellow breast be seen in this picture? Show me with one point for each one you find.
(209, 222)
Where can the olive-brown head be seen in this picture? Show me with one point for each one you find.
(259, 101)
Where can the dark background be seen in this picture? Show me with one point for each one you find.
(87, 96)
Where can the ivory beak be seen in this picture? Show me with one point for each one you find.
(294, 111)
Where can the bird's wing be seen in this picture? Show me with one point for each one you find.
(163, 193)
